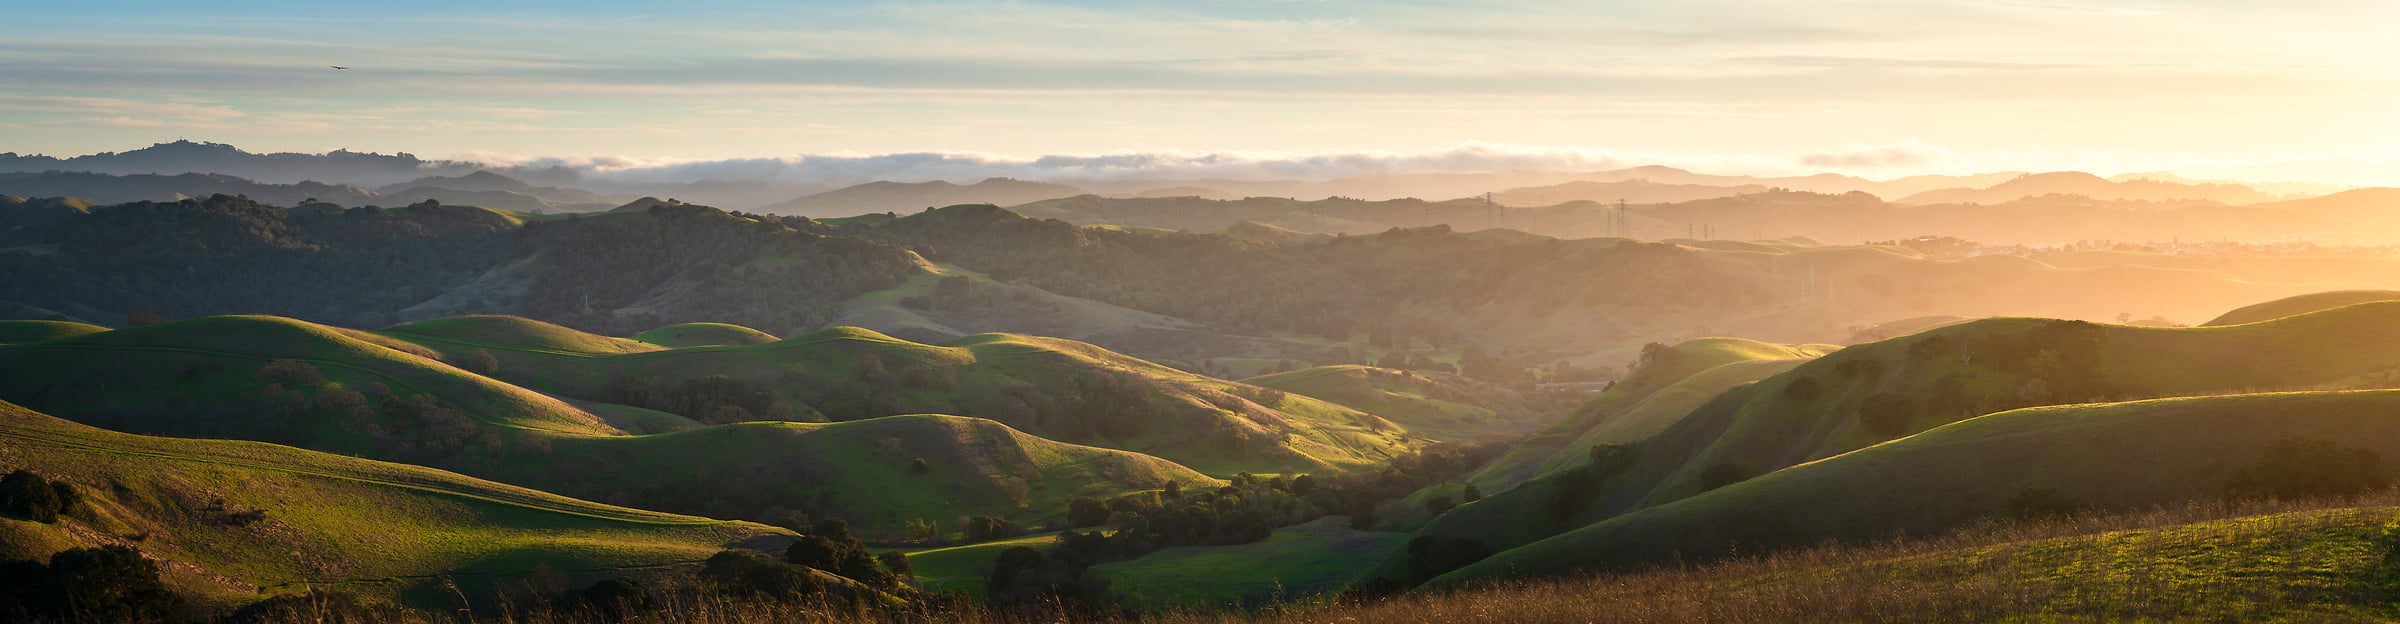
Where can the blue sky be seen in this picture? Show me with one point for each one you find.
(1873, 87)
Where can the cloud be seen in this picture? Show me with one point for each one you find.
(1896, 155)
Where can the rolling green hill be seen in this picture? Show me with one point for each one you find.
(21, 332)
(703, 335)
(2116, 455)
(1667, 385)
(434, 414)
(861, 471)
(1866, 394)
(1058, 389)
(1435, 405)
(2302, 304)
(229, 518)
(1296, 563)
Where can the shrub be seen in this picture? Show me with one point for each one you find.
(105, 584)
(292, 374)
(27, 495)
(986, 528)
(743, 574)
(1721, 475)
(2294, 468)
(482, 362)
(1086, 511)
(1439, 505)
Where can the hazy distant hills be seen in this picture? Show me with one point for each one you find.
(116, 189)
(905, 197)
(360, 168)
(2092, 186)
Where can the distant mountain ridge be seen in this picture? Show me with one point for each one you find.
(2095, 187)
(907, 197)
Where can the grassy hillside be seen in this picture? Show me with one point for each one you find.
(1295, 563)
(1866, 394)
(434, 414)
(20, 332)
(1058, 389)
(112, 379)
(703, 335)
(1667, 385)
(228, 518)
(518, 333)
(861, 471)
(2113, 456)
(2303, 304)
(1436, 405)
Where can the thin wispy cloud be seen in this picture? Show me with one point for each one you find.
(1774, 79)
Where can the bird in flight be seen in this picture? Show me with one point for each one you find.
(337, 67)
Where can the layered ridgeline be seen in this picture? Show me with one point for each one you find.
(1058, 389)
(1872, 393)
(371, 395)
(227, 519)
(1495, 305)
(1531, 298)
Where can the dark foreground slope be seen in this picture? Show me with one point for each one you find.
(227, 518)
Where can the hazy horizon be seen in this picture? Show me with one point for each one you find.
(2214, 90)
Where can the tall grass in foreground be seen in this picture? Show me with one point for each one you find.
(2316, 560)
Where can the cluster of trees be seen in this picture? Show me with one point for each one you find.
(27, 495)
(681, 262)
(715, 399)
(105, 584)
(227, 255)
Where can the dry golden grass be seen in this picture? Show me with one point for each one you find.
(2321, 560)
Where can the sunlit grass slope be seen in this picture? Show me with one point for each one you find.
(761, 471)
(2115, 455)
(1869, 393)
(1435, 405)
(2303, 304)
(1208, 424)
(229, 517)
(862, 471)
(703, 335)
(116, 378)
(20, 332)
(1652, 397)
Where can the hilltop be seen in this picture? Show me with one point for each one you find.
(2302, 304)
(2092, 186)
(229, 518)
(1944, 478)
(391, 397)
(1055, 388)
(1866, 395)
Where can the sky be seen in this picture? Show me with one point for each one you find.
(2286, 90)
